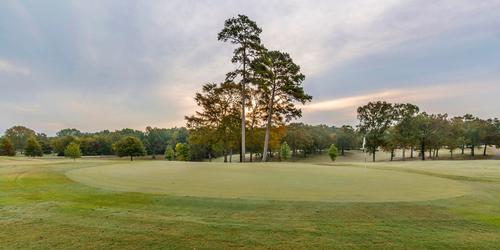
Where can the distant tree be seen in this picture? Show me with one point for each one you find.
(285, 151)
(44, 143)
(19, 136)
(218, 120)
(299, 137)
(375, 118)
(169, 153)
(244, 33)
(129, 146)
(182, 152)
(333, 152)
(472, 127)
(69, 132)
(346, 138)
(156, 139)
(455, 134)
(59, 144)
(73, 151)
(279, 79)
(405, 132)
(391, 141)
(6, 147)
(423, 124)
(33, 148)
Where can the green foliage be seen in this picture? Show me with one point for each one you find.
(169, 153)
(33, 148)
(333, 152)
(129, 146)
(375, 118)
(19, 136)
(346, 138)
(73, 151)
(59, 144)
(182, 152)
(6, 147)
(285, 151)
(44, 143)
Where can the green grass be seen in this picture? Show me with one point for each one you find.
(40, 207)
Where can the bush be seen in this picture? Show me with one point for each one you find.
(169, 153)
(285, 151)
(333, 152)
(73, 151)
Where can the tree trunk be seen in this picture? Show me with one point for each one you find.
(131, 158)
(451, 154)
(472, 150)
(373, 155)
(343, 151)
(411, 152)
(231, 155)
(437, 152)
(268, 126)
(392, 154)
(404, 154)
(422, 149)
(243, 100)
(485, 147)
(463, 149)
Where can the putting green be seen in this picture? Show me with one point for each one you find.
(274, 181)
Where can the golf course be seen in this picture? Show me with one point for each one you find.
(55, 203)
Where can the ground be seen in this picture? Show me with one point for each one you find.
(53, 203)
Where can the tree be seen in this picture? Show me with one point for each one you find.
(244, 33)
(405, 131)
(375, 118)
(299, 137)
(333, 152)
(346, 138)
(19, 136)
(73, 151)
(455, 135)
(129, 146)
(472, 127)
(69, 132)
(285, 151)
(156, 139)
(423, 125)
(169, 153)
(59, 144)
(182, 152)
(279, 80)
(44, 143)
(217, 122)
(33, 148)
(6, 147)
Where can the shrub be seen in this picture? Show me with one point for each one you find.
(182, 152)
(333, 152)
(73, 151)
(169, 153)
(285, 151)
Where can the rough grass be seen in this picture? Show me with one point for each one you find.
(41, 208)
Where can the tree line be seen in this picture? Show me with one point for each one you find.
(403, 127)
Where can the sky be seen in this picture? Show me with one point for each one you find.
(111, 64)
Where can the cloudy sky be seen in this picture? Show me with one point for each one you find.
(111, 64)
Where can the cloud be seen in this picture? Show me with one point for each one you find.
(404, 95)
(8, 67)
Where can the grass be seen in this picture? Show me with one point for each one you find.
(40, 207)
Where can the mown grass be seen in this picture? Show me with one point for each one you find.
(41, 208)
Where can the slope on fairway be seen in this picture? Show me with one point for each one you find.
(271, 181)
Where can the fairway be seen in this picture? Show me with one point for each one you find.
(273, 181)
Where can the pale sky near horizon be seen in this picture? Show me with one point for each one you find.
(95, 65)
